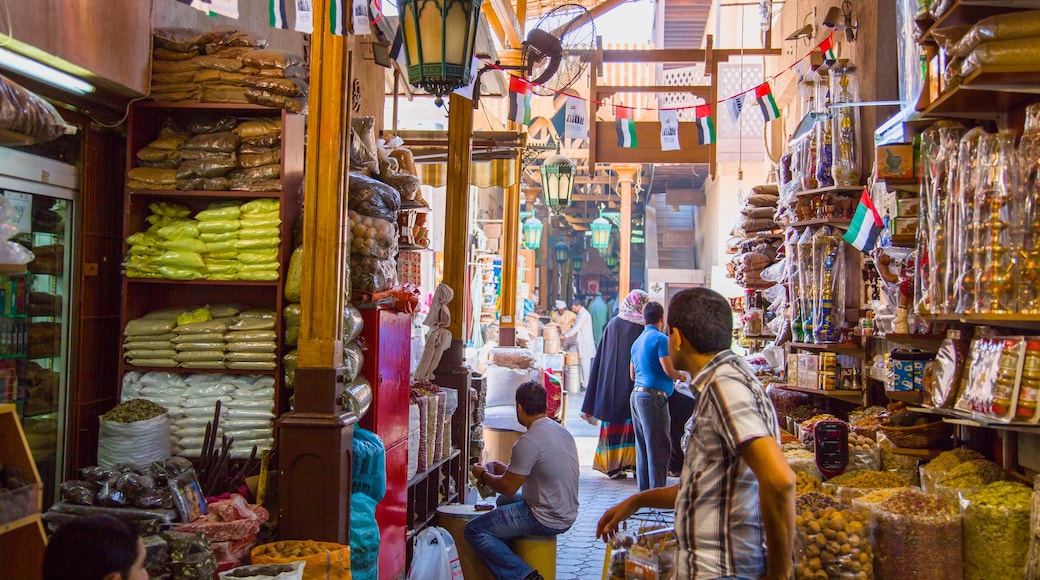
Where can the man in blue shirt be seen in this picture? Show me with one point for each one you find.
(654, 377)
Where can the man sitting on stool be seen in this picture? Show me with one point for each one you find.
(545, 462)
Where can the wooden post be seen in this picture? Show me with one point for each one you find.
(510, 258)
(626, 176)
(316, 440)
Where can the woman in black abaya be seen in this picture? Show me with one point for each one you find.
(610, 385)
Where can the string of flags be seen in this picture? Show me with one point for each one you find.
(576, 123)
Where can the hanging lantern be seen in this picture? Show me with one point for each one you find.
(561, 252)
(557, 181)
(577, 262)
(439, 39)
(613, 263)
(600, 233)
(532, 232)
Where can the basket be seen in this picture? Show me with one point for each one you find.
(930, 435)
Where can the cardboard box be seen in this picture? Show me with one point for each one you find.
(895, 161)
(905, 226)
(908, 207)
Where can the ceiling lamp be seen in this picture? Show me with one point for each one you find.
(577, 262)
(841, 19)
(600, 233)
(439, 38)
(557, 181)
(613, 263)
(532, 232)
(43, 73)
(561, 251)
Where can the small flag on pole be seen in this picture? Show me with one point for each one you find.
(577, 121)
(625, 126)
(735, 105)
(339, 17)
(866, 225)
(705, 125)
(519, 100)
(276, 14)
(764, 96)
(827, 48)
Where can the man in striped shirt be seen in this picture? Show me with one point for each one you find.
(734, 505)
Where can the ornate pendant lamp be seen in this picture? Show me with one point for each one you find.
(561, 251)
(532, 232)
(557, 181)
(600, 233)
(439, 40)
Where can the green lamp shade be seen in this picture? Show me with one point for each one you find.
(600, 233)
(439, 38)
(557, 181)
(532, 232)
(560, 250)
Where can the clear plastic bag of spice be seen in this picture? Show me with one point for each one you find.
(917, 536)
(833, 543)
(996, 531)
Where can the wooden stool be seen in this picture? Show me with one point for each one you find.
(539, 552)
(454, 517)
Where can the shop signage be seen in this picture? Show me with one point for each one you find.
(679, 239)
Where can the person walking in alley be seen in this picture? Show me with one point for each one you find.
(610, 388)
(734, 504)
(584, 343)
(654, 376)
(544, 461)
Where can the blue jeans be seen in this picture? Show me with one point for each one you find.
(651, 421)
(489, 536)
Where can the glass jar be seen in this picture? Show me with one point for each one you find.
(994, 193)
(1027, 259)
(845, 137)
(961, 225)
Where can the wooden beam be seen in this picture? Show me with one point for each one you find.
(456, 210)
(697, 90)
(648, 134)
(681, 55)
(510, 246)
(503, 21)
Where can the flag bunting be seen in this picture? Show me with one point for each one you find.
(276, 14)
(705, 125)
(625, 125)
(766, 102)
(519, 100)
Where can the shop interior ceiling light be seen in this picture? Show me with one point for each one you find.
(561, 251)
(803, 32)
(43, 73)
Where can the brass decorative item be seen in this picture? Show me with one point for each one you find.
(845, 137)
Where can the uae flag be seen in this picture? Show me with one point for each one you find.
(625, 126)
(764, 96)
(276, 14)
(339, 17)
(827, 48)
(866, 225)
(705, 125)
(519, 100)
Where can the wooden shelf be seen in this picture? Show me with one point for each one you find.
(921, 341)
(11, 526)
(1005, 320)
(988, 91)
(453, 498)
(968, 12)
(964, 418)
(273, 284)
(210, 194)
(759, 336)
(840, 348)
(843, 224)
(207, 106)
(437, 465)
(904, 240)
(912, 397)
(12, 139)
(195, 371)
(831, 189)
(846, 396)
(412, 248)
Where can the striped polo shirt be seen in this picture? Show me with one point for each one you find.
(717, 515)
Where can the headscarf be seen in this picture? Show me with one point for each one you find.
(632, 308)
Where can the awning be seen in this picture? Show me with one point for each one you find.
(493, 173)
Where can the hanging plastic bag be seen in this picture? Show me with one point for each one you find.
(435, 556)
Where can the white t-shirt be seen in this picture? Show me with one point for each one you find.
(547, 455)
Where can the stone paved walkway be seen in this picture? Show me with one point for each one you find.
(579, 555)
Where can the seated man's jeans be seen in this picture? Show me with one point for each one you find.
(489, 535)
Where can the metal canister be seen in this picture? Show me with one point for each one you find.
(357, 396)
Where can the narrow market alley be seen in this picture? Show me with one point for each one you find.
(579, 554)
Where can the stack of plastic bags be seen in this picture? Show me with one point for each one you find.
(149, 340)
(247, 407)
(226, 65)
(226, 241)
(757, 238)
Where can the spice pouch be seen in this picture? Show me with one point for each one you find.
(324, 560)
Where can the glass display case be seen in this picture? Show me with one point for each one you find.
(34, 329)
